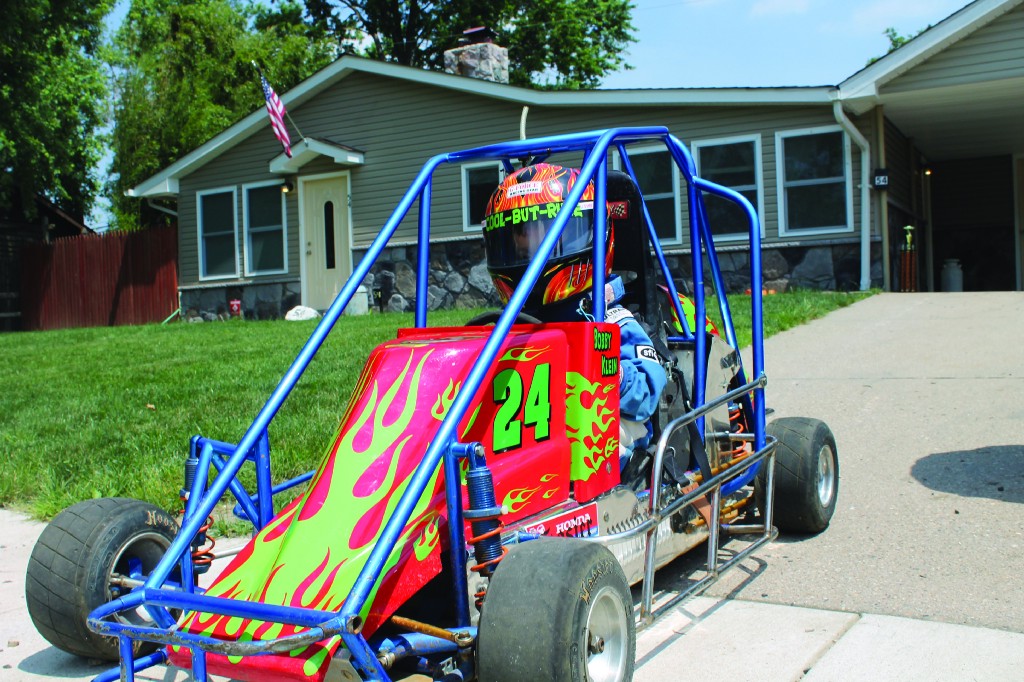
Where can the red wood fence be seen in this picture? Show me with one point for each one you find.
(100, 280)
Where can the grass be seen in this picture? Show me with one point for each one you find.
(109, 411)
(785, 311)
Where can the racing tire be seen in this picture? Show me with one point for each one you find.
(806, 475)
(72, 563)
(557, 609)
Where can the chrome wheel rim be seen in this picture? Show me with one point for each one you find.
(606, 637)
(826, 475)
(147, 548)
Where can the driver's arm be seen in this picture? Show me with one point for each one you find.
(641, 376)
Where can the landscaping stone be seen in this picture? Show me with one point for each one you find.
(472, 298)
(773, 265)
(481, 279)
(301, 313)
(459, 278)
(405, 278)
(436, 297)
(455, 283)
(397, 303)
(816, 271)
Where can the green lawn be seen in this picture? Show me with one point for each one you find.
(109, 411)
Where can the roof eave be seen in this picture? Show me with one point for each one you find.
(165, 182)
(864, 85)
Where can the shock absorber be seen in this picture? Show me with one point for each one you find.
(202, 545)
(737, 425)
(484, 515)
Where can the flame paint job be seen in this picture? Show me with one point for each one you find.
(551, 182)
(311, 553)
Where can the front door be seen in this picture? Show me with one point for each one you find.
(326, 233)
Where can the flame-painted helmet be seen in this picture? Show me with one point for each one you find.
(518, 216)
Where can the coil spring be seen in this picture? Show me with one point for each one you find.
(202, 551)
(485, 522)
(737, 424)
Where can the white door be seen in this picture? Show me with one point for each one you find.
(325, 227)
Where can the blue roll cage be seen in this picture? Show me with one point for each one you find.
(159, 593)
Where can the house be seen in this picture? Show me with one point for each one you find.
(929, 136)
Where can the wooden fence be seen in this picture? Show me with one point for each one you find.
(100, 280)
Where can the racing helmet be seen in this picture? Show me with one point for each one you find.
(519, 214)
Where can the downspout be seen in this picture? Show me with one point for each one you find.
(157, 207)
(865, 191)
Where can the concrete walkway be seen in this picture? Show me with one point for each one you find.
(918, 577)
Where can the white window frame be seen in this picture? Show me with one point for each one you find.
(697, 145)
(203, 277)
(780, 181)
(464, 171)
(676, 182)
(247, 231)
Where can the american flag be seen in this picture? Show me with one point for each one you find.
(276, 110)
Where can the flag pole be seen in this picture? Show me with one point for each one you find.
(289, 116)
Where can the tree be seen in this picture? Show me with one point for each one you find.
(183, 73)
(566, 44)
(896, 41)
(52, 99)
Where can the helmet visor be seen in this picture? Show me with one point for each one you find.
(513, 237)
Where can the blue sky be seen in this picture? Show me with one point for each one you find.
(721, 43)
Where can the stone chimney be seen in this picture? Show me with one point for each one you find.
(478, 57)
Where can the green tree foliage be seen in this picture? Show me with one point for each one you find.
(52, 99)
(896, 41)
(567, 44)
(183, 72)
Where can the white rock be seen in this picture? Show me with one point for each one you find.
(300, 313)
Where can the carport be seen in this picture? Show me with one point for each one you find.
(947, 113)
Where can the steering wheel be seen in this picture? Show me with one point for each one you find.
(491, 317)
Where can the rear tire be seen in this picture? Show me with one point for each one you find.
(806, 475)
(72, 563)
(557, 609)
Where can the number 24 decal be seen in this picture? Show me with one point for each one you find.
(508, 395)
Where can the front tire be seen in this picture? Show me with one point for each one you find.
(806, 474)
(72, 564)
(557, 609)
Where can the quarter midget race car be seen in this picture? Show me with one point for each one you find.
(475, 516)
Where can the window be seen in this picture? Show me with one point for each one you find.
(814, 181)
(734, 163)
(658, 178)
(330, 260)
(265, 243)
(479, 180)
(217, 234)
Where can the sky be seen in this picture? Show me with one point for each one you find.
(724, 43)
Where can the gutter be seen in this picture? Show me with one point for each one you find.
(865, 191)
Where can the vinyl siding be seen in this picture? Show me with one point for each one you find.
(246, 163)
(399, 125)
(994, 52)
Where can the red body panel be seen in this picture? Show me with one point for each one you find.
(547, 415)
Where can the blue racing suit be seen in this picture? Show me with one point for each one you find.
(641, 376)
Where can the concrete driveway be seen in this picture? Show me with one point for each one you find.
(925, 395)
(916, 579)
